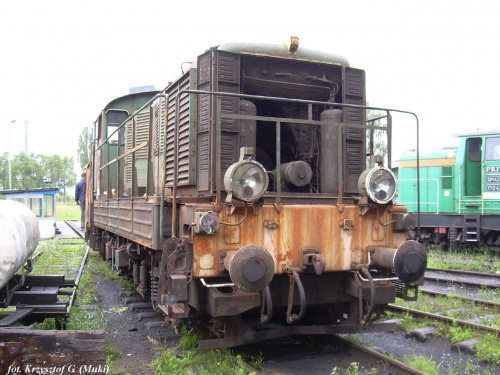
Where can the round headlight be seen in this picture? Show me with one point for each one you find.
(379, 184)
(246, 180)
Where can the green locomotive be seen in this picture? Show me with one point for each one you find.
(459, 191)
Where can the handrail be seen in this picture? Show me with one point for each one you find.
(310, 121)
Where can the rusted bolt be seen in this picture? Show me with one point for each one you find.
(271, 224)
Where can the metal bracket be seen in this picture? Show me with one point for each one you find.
(312, 259)
(346, 224)
(269, 224)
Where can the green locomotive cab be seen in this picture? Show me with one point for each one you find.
(459, 190)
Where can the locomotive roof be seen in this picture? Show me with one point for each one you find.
(478, 132)
(281, 51)
(444, 153)
(145, 95)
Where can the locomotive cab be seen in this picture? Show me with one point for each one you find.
(257, 199)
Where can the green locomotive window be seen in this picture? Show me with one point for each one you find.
(474, 149)
(473, 167)
(447, 178)
(115, 118)
(492, 149)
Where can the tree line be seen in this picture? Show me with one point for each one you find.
(28, 171)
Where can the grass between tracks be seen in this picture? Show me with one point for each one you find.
(477, 259)
(487, 343)
(204, 362)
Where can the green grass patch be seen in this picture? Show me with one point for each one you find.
(68, 211)
(488, 294)
(427, 365)
(59, 258)
(99, 266)
(192, 360)
(478, 259)
(456, 308)
(488, 348)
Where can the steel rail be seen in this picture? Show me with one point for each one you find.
(465, 272)
(37, 255)
(463, 282)
(74, 229)
(77, 280)
(80, 270)
(475, 300)
(480, 327)
(382, 357)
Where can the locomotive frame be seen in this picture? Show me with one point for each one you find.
(219, 217)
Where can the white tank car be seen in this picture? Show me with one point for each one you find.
(19, 236)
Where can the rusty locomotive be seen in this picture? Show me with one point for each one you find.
(245, 200)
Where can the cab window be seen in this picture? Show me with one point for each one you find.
(492, 151)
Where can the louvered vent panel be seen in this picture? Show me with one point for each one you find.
(355, 82)
(182, 115)
(204, 109)
(228, 70)
(229, 105)
(159, 119)
(129, 144)
(229, 150)
(203, 149)
(204, 70)
(354, 139)
(142, 133)
(355, 158)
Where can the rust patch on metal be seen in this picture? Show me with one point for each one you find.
(298, 227)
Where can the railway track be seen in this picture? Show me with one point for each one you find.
(331, 354)
(442, 280)
(49, 291)
(451, 297)
(467, 278)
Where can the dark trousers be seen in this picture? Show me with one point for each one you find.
(82, 208)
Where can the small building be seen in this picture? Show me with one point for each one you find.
(43, 204)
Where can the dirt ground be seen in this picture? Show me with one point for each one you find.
(137, 346)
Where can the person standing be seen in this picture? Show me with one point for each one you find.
(80, 190)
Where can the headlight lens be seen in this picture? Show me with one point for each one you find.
(379, 184)
(247, 180)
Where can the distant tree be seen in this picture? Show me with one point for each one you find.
(59, 169)
(379, 136)
(4, 171)
(84, 145)
(28, 171)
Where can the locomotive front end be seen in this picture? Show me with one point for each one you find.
(241, 194)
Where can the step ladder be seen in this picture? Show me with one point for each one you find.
(472, 228)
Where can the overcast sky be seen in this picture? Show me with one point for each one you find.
(61, 62)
